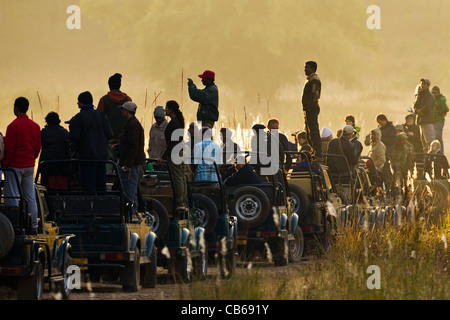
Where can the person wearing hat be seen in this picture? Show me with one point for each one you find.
(157, 140)
(22, 147)
(342, 146)
(55, 146)
(326, 136)
(401, 161)
(413, 132)
(240, 173)
(208, 99)
(131, 152)
(89, 132)
(440, 111)
(108, 104)
(424, 108)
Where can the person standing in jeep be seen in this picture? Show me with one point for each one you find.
(22, 147)
(208, 99)
(89, 131)
(311, 109)
(131, 153)
(109, 104)
(424, 108)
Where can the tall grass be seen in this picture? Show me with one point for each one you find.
(414, 264)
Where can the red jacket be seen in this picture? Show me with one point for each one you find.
(22, 143)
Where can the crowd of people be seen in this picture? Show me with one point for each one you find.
(112, 132)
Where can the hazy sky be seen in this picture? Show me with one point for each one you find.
(257, 48)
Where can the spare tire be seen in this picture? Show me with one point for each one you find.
(298, 199)
(206, 210)
(157, 217)
(251, 206)
(6, 235)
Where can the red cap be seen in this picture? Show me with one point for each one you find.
(208, 74)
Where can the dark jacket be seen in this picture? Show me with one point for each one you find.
(109, 105)
(208, 99)
(90, 131)
(131, 151)
(55, 143)
(415, 138)
(424, 107)
(173, 125)
(311, 92)
(245, 175)
(388, 137)
(341, 146)
(439, 163)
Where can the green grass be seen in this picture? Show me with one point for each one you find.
(414, 264)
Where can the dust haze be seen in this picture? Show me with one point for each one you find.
(256, 47)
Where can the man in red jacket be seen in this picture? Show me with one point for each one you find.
(22, 147)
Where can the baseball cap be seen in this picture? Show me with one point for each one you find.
(428, 82)
(348, 130)
(130, 106)
(207, 74)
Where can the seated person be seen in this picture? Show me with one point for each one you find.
(206, 153)
(303, 164)
(342, 146)
(436, 165)
(240, 173)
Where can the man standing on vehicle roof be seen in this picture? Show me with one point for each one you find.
(208, 99)
(311, 109)
(131, 154)
(22, 147)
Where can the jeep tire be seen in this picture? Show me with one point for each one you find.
(251, 206)
(206, 210)
(6, 235)
(299, 200)
(157, 217)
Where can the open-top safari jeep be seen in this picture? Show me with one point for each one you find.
(29, 259)
(111, 240)
(181, 235)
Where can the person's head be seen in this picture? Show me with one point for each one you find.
(302, 138)
(434, 146)
(206, 133)
(399, 128)
(402, 138)
(350, 120)
(436, 91)
(85, 99)
(375, 135)
(115, 81)
(326, 133)
(21, 105)
(273, 124)
(173, 111)
(159, 114)
(240, 161)
(425, 84)
(410, 119)
(382, 119)
(258, 128)
(128, 109)
(310, 67)
(208, 77)
(348, 132)
(52, 119)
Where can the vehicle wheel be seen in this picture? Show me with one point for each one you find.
(130, 277)
(157, 217)
(206, 211)
(297, 246)
(149, 275)
(32, 287)
(64, 287)
(251, 206)
(326, 239)
(299, 200)
(182, 268)
(280, 250)
(227, 263)
(6, 235)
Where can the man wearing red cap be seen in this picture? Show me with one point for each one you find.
(208, 99)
